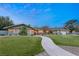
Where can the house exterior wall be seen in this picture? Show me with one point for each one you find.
(13, 31)
(16, 31)
(62, 31)
(40, 32)
(30, 31)
(34, 32)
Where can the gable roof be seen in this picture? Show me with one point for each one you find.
(18, 26)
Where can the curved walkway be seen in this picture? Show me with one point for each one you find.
(52, 49)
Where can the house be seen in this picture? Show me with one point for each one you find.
(42, 31)
(60, 31)
(32, 31)
(15, 29)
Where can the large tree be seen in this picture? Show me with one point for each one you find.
(71, 25)
(5, 21)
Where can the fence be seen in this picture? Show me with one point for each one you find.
(2, 32)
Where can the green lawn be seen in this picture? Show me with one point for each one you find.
(20, 46)
(67, 40)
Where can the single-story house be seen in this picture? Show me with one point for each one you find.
(41, 31)
(60, 31)
(15, 30)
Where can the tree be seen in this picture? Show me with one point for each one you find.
(29, 25)
(77, 26)
(23, 30)
(71, 25)
(5, 21)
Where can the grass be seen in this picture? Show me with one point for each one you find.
(20, 46)
(67, 40)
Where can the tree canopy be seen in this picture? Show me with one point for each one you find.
(71, 25)
(5, 21)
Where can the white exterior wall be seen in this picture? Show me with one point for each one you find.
(29, 32)
(63, 32)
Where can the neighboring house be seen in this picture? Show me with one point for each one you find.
(60, 31)
(42, 31)
(74, 32)
(64, 31)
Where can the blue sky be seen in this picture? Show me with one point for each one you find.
(52, 15)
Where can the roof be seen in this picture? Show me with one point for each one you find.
(58, 29)
(17, 26)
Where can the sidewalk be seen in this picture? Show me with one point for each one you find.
(52, 49)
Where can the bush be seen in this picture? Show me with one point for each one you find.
(23, 30)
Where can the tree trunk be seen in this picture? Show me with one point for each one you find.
(71, 31)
